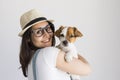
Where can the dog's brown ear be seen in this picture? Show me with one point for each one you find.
(57, 32)
(77, 32)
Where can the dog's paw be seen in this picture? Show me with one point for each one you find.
(75, 77)
(68, 57)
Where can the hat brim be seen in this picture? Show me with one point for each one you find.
(24, 30)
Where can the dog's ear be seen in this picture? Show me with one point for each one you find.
(57, 32)
(77, 32)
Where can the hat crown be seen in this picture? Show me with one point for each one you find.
(29, 16)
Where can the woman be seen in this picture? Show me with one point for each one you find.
(38, 34)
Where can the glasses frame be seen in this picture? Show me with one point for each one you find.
(34, 31)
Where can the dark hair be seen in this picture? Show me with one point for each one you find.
(27, 49)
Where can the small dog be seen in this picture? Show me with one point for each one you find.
(67, 37)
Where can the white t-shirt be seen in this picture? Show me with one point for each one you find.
(46, 66)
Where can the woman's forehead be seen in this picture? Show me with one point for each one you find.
(38, 25)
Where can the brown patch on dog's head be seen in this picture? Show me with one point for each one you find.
(72, 34)
(57, 33)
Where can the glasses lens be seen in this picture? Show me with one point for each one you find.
(48, 29)
(38, 32)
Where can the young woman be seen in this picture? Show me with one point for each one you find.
(38, 34)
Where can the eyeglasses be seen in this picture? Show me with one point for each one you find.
(40, 31)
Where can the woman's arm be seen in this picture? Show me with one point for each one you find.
(77, 66)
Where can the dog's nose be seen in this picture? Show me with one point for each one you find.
(65, 42)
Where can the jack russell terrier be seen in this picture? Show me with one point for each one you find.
(67, 37)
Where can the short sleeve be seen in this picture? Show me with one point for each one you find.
(50, 56)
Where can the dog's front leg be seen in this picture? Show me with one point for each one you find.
(68, 57)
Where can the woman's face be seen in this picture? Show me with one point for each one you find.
(42, 35)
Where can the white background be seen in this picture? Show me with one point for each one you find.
(98, 20)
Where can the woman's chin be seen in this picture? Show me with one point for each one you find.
(47, 44)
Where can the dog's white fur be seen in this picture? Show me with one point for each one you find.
(70, 50)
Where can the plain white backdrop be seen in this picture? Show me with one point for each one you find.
(98, 20)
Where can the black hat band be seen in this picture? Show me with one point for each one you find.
(35, 20)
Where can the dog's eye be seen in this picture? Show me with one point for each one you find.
(72, 36)
(61, 35)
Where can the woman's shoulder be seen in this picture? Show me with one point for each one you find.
(49, 54)
(51, 49)
(47, 50)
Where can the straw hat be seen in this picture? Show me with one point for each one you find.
(31, 18)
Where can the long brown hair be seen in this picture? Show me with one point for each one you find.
(27, 49)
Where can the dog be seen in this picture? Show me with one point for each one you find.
(67, 37)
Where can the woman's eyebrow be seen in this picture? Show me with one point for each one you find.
(42, 27)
